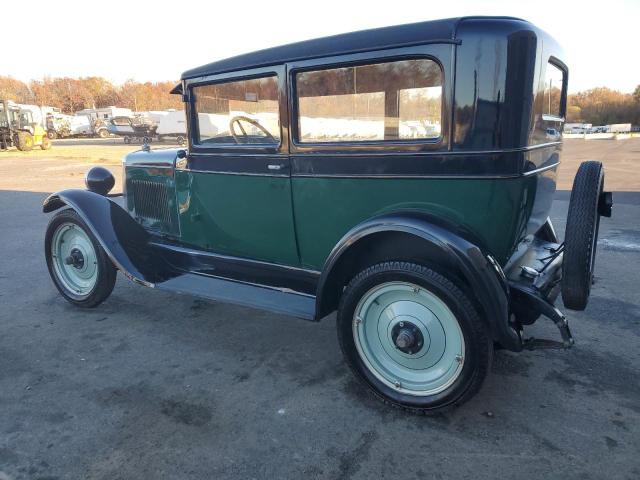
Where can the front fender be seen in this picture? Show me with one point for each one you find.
(123, 239)
(444, 247)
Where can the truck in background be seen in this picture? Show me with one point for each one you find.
(171, 124)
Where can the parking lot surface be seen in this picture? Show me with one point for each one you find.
(152, 385)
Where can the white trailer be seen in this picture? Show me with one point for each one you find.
(171, 123)
(81, 125)
(39, 113)
(619, 128)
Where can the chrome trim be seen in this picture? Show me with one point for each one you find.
(417, 177)
(395, 153)
(541, 169)
(247, 174)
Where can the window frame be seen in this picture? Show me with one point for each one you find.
(439, 53)
(277, 71)
(563, 94)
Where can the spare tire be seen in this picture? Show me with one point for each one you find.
(581, 235)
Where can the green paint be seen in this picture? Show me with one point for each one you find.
(253, 217)
(241, 215)
(327, 208)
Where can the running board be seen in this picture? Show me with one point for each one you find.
(244, 294)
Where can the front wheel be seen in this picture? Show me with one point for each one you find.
(24, 141)
(79, 267)
(413, 337)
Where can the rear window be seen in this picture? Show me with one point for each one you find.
(553, 89)
(390, 101)
(238, 112)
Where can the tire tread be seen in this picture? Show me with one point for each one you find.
(479, 333)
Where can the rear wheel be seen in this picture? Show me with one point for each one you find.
(103, 133)
(413, 337)
(581, 235)
(24, 141)
(80, 268)
(46, 143)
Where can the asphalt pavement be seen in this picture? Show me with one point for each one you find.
(152, 385)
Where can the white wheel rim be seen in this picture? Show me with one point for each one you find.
(74, 259)
(434, 360)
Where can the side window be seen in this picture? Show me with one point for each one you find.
(390, 101)
(238, 112)
(553, 86)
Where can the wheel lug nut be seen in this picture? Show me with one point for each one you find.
(397, 384)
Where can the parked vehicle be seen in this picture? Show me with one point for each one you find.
(132, 129)
(171, 124)
(99, 119)
(580, 128)
(58, 125)
(351, 173)
(619, 128)
(18, 129)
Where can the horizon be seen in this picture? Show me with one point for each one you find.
(117, 54)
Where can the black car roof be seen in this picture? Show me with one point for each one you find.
(374, 39)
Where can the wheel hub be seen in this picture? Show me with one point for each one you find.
(75, 259)
(407, 337)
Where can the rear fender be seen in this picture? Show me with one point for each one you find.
(448, 249)
(123, 239)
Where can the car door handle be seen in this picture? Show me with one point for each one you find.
(276, 166)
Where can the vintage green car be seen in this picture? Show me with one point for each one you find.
(402, 176)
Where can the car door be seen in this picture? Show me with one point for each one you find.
(234, 189)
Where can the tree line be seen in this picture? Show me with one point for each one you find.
(73, 94)
(598, 106)
(603, 106)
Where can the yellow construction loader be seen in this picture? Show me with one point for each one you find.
(17, 129)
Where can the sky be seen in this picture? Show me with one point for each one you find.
(155, 41)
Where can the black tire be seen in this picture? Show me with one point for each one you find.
(52, 134)
(24, 141)
(106, 270)
(581, 235)
(46, 143)
(103, 133)
(478, 345)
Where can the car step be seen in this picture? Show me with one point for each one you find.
(247, 295)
